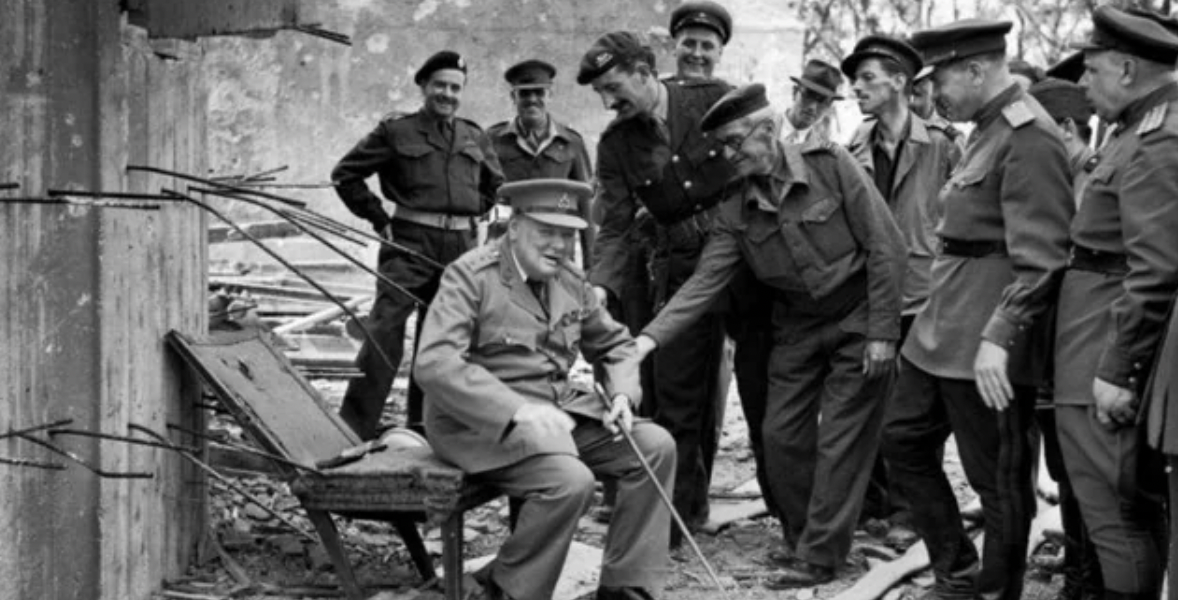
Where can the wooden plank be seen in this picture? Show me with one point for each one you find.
(189, 20)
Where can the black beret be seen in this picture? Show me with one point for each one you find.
(1062, 100)
(610, 50)
(702, 13)
(1071, 68)
(737, 103)
(1019, 66)
(531, 73)
(446, 59)
(552, 201)
(961, 39)
(874, 46)
(1131, 33)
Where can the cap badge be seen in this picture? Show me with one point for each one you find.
(565, 203)
(461, 63)
(703, 15)
(603, 58)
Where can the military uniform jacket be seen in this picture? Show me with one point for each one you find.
(563, 156)
(923, 164)
(830, 226)
(1012, 188)
(1129, 206)
(488, 347)
(674, 171)
(419, 169)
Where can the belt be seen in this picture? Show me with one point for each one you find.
(972, 249)
(690, 230)
(1096, 261)
(436, 220)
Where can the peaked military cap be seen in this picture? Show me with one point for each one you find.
(551, 201)
(702, 13)
(1062, 100)
(877, 46)
(737, 103)
(821, 77)
(610, 50)
(1132, 33)
(532, 73)
(1071, 68)
(961, 39)
(446, 59)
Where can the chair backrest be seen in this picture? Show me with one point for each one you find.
(266, 395)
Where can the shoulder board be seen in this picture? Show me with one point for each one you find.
(396, 115)
(572, 132)
(484, 257)
(1018, 114)
(1152, 121)
(471, 123)
(498, 126)
(816, 146)
(699, 82)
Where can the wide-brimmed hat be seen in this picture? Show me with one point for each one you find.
(820, 77)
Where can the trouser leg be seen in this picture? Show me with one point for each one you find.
(915, 430)
(557, 490)
(685, 374)
(851, 411)
(750, 325)
(1172, 481)
(1122, 521)
(639, 533)
(996, 453)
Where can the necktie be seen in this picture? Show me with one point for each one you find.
(540, 291)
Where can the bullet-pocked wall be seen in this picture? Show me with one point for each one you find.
(303, 102)
(87, 296)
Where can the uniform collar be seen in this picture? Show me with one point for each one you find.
(662, 103)
(1137, 108)
(789, 170)
(992, 109)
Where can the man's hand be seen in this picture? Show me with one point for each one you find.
(543, 420)
(387, 232)
(989, 369)
(646, 345)
(602, 295)
(1115, 406)
(620, 416)
(879, 357)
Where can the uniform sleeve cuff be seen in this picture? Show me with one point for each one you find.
(1001, 331)
(1120, 369)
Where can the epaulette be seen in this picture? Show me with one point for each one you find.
(1152, 121)
(396, 115)
(698, 82)
(471, 123)
(486, 256)
(1018, 114)
(498, 126)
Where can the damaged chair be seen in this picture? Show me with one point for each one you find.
(286, 416)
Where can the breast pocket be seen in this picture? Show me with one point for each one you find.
(825, 226)
(505, 335)
(767, 255)
(418, 163)
(466, 165)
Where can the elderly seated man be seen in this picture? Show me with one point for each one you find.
(496, 349)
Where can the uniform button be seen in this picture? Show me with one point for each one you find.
(711, 154)
(675, 158)
(687, 185)
(1137, 365)
(647, 182)
(699, 207)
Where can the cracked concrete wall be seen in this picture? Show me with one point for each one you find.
(302, 101)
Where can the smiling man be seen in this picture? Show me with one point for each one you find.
(534, 145)
(972, 348)
(807, 222)
(440, 172)
(700, 30)
(497, 347)
(653, 156)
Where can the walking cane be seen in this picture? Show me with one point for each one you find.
(654, 480)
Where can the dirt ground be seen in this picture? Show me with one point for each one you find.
(272, 561)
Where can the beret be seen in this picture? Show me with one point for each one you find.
(820, 77)
(530, 73)
(961, 39)
(551, 201)
(703, 13)
(884, 46)
(446, 59)
(1071, 68)
(737, 103)
(1062, 99)
(1133, 33)
(1019, 66)
(610, 50)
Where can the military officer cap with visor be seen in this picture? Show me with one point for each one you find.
(703, 13)
(740, 102)
(882, 46)
(549, 201)
(960, 40)
(610, 50)
(446, 59)
(1134, 33)
(530, 74)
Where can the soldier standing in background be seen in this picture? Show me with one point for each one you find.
(441, 173)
